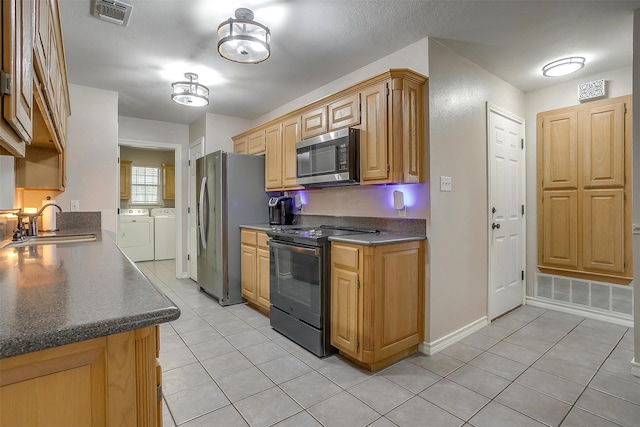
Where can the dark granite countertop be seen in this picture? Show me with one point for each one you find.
(382, 238)
(57, 294)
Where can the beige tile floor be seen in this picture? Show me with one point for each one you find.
(224, 366)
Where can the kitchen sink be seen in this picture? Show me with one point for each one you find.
(52, 240)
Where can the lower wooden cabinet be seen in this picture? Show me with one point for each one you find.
(377, 301)
(254, 268)
(105, 381)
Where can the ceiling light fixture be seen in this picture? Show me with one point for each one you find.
(190, 93)
(244, 40)
(563, 66)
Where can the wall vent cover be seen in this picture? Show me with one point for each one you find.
(112, 11)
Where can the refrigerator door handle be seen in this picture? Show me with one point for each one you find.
(201, 210)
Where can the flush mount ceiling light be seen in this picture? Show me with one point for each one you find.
(244, 40)
(563, 66)
(190, 93)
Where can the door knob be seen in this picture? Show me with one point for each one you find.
(494, 225)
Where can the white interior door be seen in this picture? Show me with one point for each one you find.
(506, 211)
(196, 150)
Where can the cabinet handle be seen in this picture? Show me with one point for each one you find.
(494, 226)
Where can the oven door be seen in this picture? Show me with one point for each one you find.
(296, 281)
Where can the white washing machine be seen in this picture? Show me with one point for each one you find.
(136, 234)
(165, 233)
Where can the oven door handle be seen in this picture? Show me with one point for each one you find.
(293, 248)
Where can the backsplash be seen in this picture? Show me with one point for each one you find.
(75, 220)
(8, 223)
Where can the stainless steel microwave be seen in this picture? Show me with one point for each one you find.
(329, 160)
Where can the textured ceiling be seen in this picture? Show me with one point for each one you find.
(316, 41)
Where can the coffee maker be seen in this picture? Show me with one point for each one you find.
(281, 210)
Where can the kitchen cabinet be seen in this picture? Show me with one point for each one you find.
(314, 122)
(387, 108)
(125, 179)
(111, 380)
(344, 112)
(377, 301)
(253, 142)
(41, 169)
(256, 143)
(254, 268)
(240, 145)
(392, 136)
(168, 181)
(17, 103)
(584, 211)
(280, 156)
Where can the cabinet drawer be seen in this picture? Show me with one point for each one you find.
(345, 256)
(248, 237)
(262, 240)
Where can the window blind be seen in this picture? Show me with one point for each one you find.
(145, 185)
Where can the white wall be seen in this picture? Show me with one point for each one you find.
(458, 230)
(636, 188)
(562, 95)
(220, 129)
(92, 143)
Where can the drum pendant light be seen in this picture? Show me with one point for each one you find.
(190, 93)
(241, 39)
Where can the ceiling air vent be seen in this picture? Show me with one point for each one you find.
(112, 11)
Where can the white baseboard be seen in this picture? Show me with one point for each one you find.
(431, 348)
(635, 368)
(579, 311)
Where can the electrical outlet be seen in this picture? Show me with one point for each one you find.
(75, 205)
(445, 183)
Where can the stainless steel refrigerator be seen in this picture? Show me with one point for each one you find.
(230, 193)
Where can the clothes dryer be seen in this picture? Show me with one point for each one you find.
(165, 233)
(136, 234)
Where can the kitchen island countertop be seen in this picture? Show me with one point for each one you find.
(57, 294)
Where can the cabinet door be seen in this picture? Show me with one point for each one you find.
(344, 112)
(125, 179)
(314, 122)
(603, 145)
(17, 47)
(344, 310)
(68, 383)
(374, 150)
(560, 150)
(256, 142)
(263, 278)
(290, 135)
(560, 228)
(345, 297)
(168, 181)
(273, 158)
(603, 230)
(240, 145)
(248, 271)
(398, 308)
(41, 38)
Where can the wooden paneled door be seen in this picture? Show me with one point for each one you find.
(505, 133)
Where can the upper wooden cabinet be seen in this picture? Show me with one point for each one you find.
(17, 103)
(314, 122)
(168, 181)
(280, 156)
(584, 209)
(389, 111)
(125, 179)
(256, 142)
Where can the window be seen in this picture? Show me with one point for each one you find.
(144, 185)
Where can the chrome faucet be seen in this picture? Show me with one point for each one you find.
(33, 218)
(19, 233)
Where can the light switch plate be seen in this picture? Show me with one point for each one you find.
(75, 205)
(445, 183)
